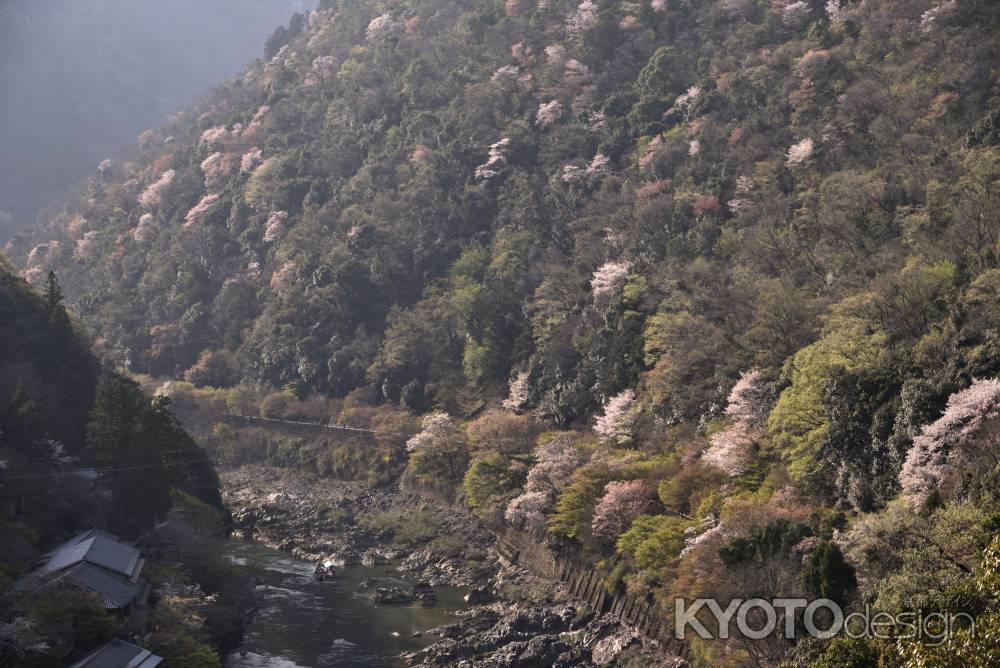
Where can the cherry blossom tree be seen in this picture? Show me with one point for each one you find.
(86, 247)
(555, 462)
(836, 12)
(617, 424)
(275, 226)
(497, 160)
(439, 449)
(548, 113)
(795, 14)
(216, 168)
(622, 502)
(731, 449)
(935, 16)
(213, 137)
(800, 153)
(608, 280)
(380, 27)
(517, 393)
(154, 195)
(528, 510)
(256, 123)
(197, 213)
(282, 279)
(146, 230)
(583, 19)
(250, 160)
(949, 444)
(750, 399)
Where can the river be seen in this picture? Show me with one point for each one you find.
(305, 623)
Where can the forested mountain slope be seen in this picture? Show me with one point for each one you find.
(758, 240)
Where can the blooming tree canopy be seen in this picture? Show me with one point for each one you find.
(197, 213)
(800, 153)
(947, 445)
(153, 196)
(608, 280)
(622, 502)
(439, 449)
(496, 162)
(618, 422)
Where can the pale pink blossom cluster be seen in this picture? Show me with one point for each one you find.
(497, 160)
(75, 225)
(146, 230)
(438, 433)
(381, 26)
(323, 68)
(800, 153)
(937, 453)
(555, 462)
(145, 138)
(275, 226)
(715, 533)
(197, 213)
(506, 72)
(548, 113)
(608, 280)
(583, 19)
(795, 14)
(40, 260)
(282, 279)
(734, 7)
(731, 450)
(217, 168)
(250, 160)
(555, 54)
(575, 174)
(933, 17)
(527, 511)
(628, 22)
(512, 6)
(836, 12)
(659, 5)
(688, 98)
(617, 424)
(652, 149)
(751, 397)
(517, 392)
(86, 247)
(694, 147)
(596, 121)
(214, 137)
(623, 501)
(155, 194)
(741, 200)
(256, 123)
(104, 166)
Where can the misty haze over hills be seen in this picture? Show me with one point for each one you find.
(79, 80)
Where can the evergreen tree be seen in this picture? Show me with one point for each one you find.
(828, 575)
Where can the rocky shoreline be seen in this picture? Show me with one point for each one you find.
(514, 618)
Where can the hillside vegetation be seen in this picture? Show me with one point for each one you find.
(706, 292)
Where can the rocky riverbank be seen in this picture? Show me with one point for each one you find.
(514, 619)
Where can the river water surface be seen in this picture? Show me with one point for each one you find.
(305, 623)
